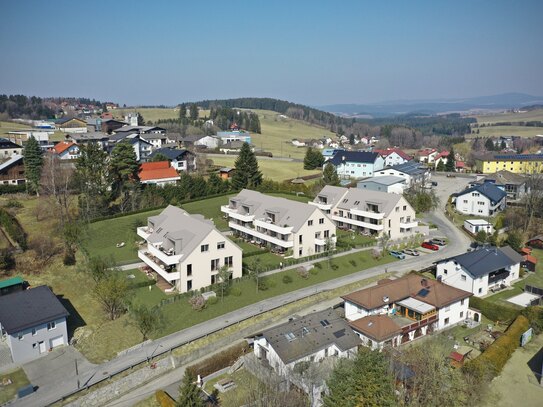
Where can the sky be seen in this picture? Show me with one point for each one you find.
(312, 52)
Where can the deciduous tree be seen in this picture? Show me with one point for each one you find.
(111, 291)
(147, 320)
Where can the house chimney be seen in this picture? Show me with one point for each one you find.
(424, 282)
(385, 299)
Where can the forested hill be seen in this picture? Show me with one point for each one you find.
(293, 110)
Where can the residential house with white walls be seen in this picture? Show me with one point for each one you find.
(393, 156)
(356, 164)
(485, 199)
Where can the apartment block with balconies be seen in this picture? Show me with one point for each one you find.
(368, 212)
(284, 225)
(187, 250)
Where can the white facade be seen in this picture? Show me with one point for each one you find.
(394, 159)
(373, 184)
(350, 169)
(474, 226)
(475, 203)
(208, 141)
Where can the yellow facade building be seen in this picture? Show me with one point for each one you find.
(515, 163)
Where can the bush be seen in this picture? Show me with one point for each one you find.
(334, 266)
(164, 399)
(212, 300)
(314, 271)
(522, 272)
(12, 189)
(197, 302)
(13, 203)
(219, 361)
(535, 316)
(263, 284)
(235, 291)
(318, 266)
(7, 260)
(494, 311)
(303, 273)
(13, 228)
(287, 279)
(352, 263)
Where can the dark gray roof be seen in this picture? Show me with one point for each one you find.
(171, 153)
(481, 262)
(353, 156)
(26, 309)
(5, 143)
(488, 189)
(322, 329)
(410, 168)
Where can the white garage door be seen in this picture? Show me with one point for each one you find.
(57, 341)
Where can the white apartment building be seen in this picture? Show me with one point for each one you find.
(368, 212)
(187, 250)
(283, 224)
(481, 200)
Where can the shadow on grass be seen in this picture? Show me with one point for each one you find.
(75, 320)
(536, 364)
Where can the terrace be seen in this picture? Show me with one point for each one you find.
(167, 271)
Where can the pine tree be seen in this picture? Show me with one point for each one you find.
(182, 111)
(489, 144)
(189, 393)
(313, 159)
(329, 176)
(440, 166)
(193, 112)
(450, 165)
(247, 174)
(33, 162)
(123, 167)
(141, 120)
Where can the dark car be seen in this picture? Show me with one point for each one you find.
(431, 246)
(434, 183)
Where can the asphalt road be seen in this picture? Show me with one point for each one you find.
(458, 242)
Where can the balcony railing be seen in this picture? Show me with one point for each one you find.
(260, 235)
(159, 268)
(320, 205)
(498, 276)
(368, 214)
(143, 232)
(409, 225)
(166, 258)
(233, 213)
(285, 230)
(419, 324)
(358, 223)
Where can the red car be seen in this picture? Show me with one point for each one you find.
(431, 246)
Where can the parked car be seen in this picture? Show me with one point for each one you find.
(439, 241)
(451, 176)
(398, 255)
(429, 245)
(434, 183)
(411, 252)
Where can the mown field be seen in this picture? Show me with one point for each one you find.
(511, 117)
(5, 127)
(152, 114)
(496, 131)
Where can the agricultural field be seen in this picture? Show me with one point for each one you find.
(532, 115)
(496, 131)
(11, 126)
(272, 169)
(153, 114)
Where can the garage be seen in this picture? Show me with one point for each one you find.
(59, 340)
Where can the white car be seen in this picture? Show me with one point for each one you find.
(411, 252)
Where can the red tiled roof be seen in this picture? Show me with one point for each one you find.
(530, 259)
(526, 250)
(157, 170)
(460, 164)
(388, 151)
(427, 151)
(63, 146)
(456, 356)
(444, 154)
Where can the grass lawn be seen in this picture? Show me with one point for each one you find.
(18, 379)
(277, 171)
(5, 127)
(143, 295)
(355, 239)
(496, 131)
(237, 396)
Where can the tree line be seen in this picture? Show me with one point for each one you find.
(20, 106)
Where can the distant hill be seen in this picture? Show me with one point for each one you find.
(435, 106)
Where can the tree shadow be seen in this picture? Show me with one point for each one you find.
(74, 320)
(536, 364)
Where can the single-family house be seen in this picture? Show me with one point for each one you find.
(12, 171)
(368, 212)
(201, 141)
(111, 125)
(20, 137)
(280, 223)
(412, 171)
(398, 311)
(393, 156)
(67, 150)
(514, 184)
(485, 199)
(9, 149)
(310, 338)
(187, 250)
(142, 148)
(474, 226)
(158, 173)
(72, 125)
(389, 183)
(232, 147)
(481, 270)
(356, 164)
(427, 155)
(157, 140)
(180, 159)
(32, 322)
(442, 157)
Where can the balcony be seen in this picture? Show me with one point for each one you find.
(409, 225)
(286, 230)
(497, 276)
(168, 259)
(233, 213)
(368, 214)
(419, 324)
(158, 267)
(259, 235)
(321, 206)
(358, 223)
(143, 232)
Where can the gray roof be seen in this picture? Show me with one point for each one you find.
(5, 143)
(310, 334)
(331, 194)
(286, 211)
(488, 189)
(481, 262)
(13, 160)
(154, 136)
(90, 136)
(179, 230)
(194, 137)
(171, 153)
(359, 199)
(409, 168)
(505, 178)
(29, 308)
(384, 180)
(138, 129)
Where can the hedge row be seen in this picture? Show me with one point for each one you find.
(219, 361)
(493, 310)
(143, 284)
(499, 352)
(13, 228)
(12, 189)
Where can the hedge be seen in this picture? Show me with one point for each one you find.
(12, 189)
(498, 353)
(13, 228)
(494, 311)
(143, 284)
(164, 399)
(219, 361)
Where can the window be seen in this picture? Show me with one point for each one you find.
(446, 321)
(462, 314)
(189, 270)
(51, 325)
(462, 302)
(33, 331)
(463, 277)
(300, 252)
(465, 201)
(445, 271)
(189, 285)
(397, 209)
(229, 261)
(326, 234)
(204, 248)
(290, 336)
(321, 221)
(300, 239)
(447, 309)
(34, 345)
(357, 202)
(220, 245)
(214, 264)
(480, 290)
(405, 207)
(310, 223)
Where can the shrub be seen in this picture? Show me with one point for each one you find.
(13, 228)
(212, 300)
(263, 284)
(164, 399)
(197, 302)
(219, 361)
(271, 283)
(522, 272)
(318, 266)
(314, 271)
(235, 291)
(352, 263)
(535, 316)
(334, 266)
(302, 272)
(7, 260)
(13, 203)
(287, 279)
(494, 311)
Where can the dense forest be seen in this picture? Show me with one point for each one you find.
(20, 106)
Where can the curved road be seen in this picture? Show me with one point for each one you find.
(458, 242)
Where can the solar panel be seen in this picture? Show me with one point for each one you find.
(325, 322)
(340, 333)
(423, 293)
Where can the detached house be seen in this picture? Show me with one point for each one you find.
(72, 125)
(280, 223)
(413, 172)
(187, 250)
(158, 173)
(67, 150)
(368, 212)
(12, 172)
(482, 200)
(180, 159)
(427, 155)
(32, 322)
(514, 184)
(398, 311)
(393, 156)
(9, 149)
(481, 270)
(357, 164)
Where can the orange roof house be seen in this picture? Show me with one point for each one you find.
(66, 150)
(159, 173)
